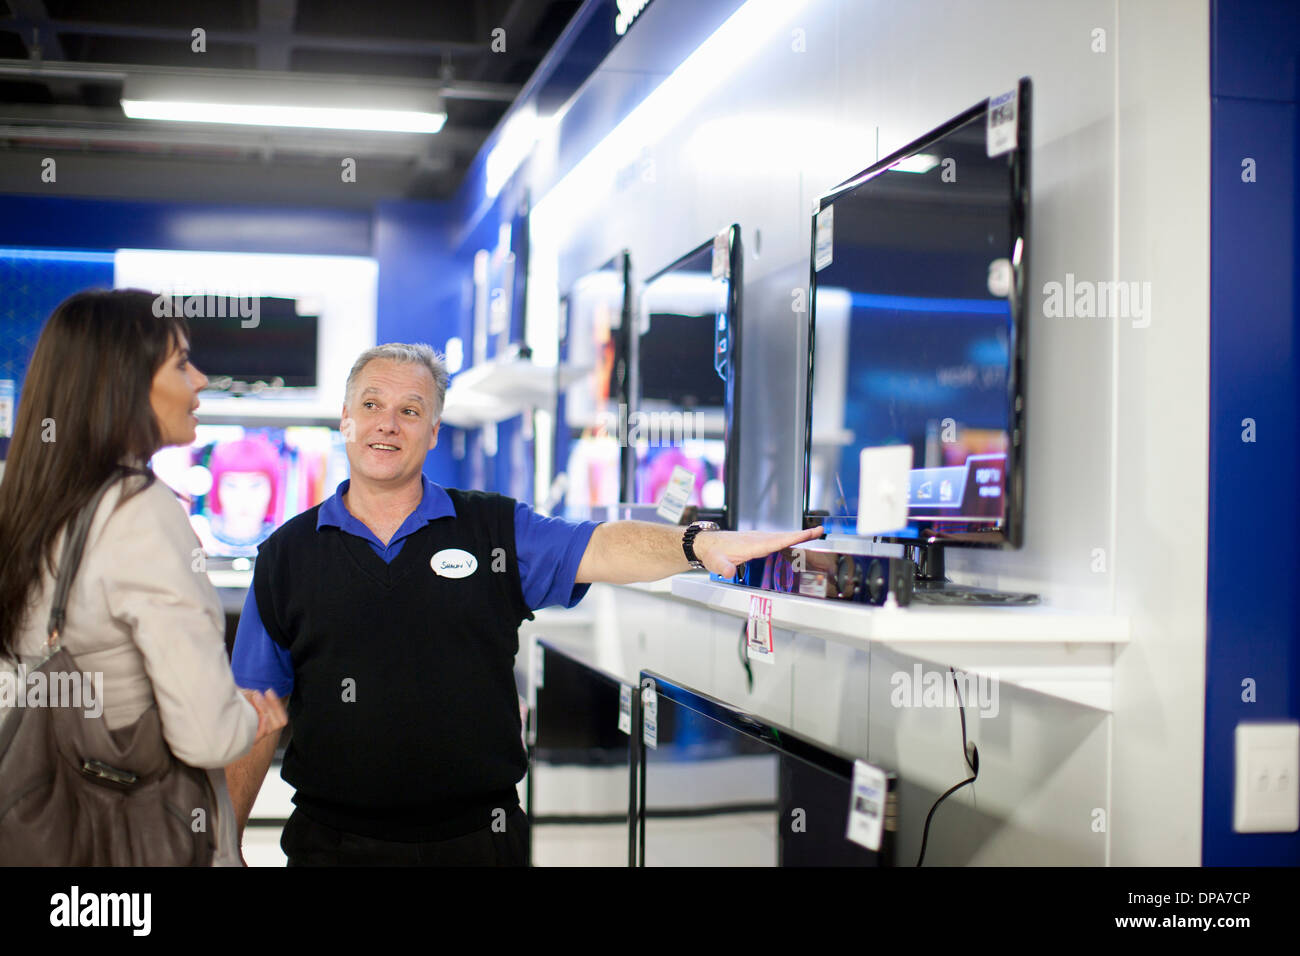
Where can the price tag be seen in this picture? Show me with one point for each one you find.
(867, 805)
(722, 255)
(649, 717)
(758, 643)
(1000, 135)
(625, 709)
(539, 666)
(824, 248)
(677, 495)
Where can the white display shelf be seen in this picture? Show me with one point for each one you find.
(499, 389)
(1065, 654)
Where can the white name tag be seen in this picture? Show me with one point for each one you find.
(453, 563)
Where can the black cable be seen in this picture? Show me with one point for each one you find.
(744, 656)
(969, 753)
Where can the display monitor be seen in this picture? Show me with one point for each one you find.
(593, 331)
(917, 337)
(580, 795)
(242, 482)
(280, 348)
(721, 787)
(685, 381)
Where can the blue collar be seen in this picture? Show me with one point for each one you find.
(434, 503)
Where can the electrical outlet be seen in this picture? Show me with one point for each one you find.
(1268, 763)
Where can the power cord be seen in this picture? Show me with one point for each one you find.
(972, 756)
(744, 656)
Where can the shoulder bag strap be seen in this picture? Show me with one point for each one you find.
(74, 544)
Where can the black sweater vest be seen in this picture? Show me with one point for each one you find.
(404, 712)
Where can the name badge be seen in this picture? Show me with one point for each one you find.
(453, 563)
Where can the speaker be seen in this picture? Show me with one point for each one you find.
(866, 579)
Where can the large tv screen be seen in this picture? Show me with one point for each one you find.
(721, 787)
(685, 380)
(580, 793)
(282, 350)
(919, 271)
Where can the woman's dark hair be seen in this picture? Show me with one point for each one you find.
(84, 407)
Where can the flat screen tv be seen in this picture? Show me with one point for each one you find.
(919, 276)
(685, 382)
(243, 482)
(721, 787)
(580, 794)
(280, 349)
(594, 324)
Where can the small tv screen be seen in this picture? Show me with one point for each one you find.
(243, 482)
(685, 379)
(280, 347)
(918, 331)
(580, 793)
(720, 787)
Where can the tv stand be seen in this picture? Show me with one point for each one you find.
(931, 584)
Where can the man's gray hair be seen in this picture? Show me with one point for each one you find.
(417, 354)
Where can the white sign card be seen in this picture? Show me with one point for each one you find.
(649, 717)
(1000, 135)
(722, 255)
(625, 708)
(758, 635)
(867, 805)
(677, 495)
(823, 248)
(883, 475)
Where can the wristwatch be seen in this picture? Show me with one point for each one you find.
(688, 541)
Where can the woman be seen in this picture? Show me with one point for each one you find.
(108, 385)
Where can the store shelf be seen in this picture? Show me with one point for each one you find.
(1065, 654)
(500, 389)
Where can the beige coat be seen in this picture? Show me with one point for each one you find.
(155, 629)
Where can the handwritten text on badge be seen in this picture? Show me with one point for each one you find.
(453, 563)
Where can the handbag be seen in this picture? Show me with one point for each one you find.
(73, 792)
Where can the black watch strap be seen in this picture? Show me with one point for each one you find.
(688, 541)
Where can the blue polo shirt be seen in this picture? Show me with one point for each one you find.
(548, 550)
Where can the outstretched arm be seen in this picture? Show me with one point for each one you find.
(621, 552)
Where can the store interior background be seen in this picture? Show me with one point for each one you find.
(709, 112)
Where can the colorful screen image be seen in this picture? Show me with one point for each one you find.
(244, 482)
(702, 457)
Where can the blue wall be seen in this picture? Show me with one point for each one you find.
(61, 223)
(420, 295)
(1253, 601)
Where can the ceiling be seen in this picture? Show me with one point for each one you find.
(63, 64)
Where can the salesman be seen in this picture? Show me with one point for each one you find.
(389, 616)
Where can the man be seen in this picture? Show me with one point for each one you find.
(389, 616)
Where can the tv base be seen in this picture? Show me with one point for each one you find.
(947, 594)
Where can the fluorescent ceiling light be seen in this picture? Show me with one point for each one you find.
(920, 163)
(294, 103)
(311, 117)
